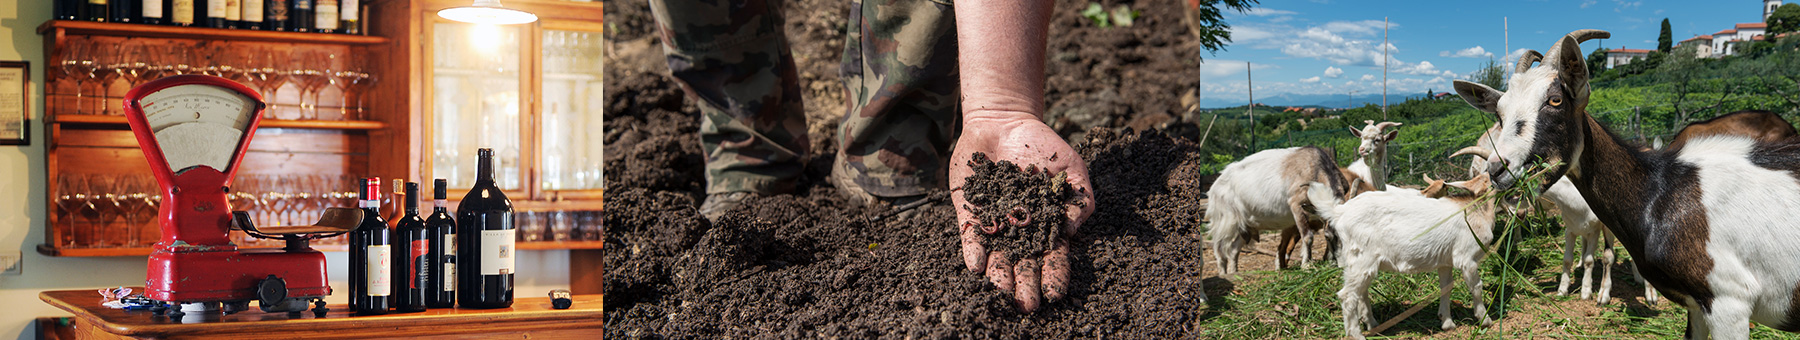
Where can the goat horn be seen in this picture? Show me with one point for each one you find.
(1525, 61)
(1427, 178)
(1580, 36)
(1473, 150)
(1385, 125)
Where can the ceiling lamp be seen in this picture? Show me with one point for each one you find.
(487, 12)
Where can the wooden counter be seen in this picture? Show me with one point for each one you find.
(530, 317)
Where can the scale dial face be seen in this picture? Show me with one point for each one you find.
(198, 125)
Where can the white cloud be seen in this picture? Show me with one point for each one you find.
(1326, 44)
(1313, 80)
(1585, 4)
(1472, 52)
(1247, 33)
(1368, 77)
(1333, 72)
(1263, 12)
(1626, 5)
(1214, 68)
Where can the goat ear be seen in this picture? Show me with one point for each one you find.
(1435, 190)
(1390, 136)
(1572, 66)
(1482, 97)
(1480, 184)
(1354, 131)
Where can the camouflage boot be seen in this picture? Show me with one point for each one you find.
(899, 73)
(732, 59)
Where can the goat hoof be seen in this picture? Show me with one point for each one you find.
(1449, 324)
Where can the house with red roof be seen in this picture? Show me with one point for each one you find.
(1621, 56)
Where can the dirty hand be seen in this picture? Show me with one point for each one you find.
(1023, 139)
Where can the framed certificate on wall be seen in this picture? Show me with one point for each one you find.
(15, 103)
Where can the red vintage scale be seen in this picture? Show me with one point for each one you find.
(194, 131)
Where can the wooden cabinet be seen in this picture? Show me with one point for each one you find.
(539, 109)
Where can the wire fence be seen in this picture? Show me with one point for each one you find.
(1410, 159)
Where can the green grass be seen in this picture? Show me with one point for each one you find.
(1302, 303)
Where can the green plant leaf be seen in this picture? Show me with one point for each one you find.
(1097, 13)
(1123, 15)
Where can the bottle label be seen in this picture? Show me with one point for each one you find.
(325, 15)
(416, 267)
(303, 4)
(352, 10)
(234, 10)
(449, 261)
(96, 2)
(253, 11)
(277, 11)
(215, 9)
(153, 9)
(369, 204)
(380, 273)
(183, 12)
(497, 251)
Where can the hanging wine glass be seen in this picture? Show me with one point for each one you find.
(70, 198)
(74, 63)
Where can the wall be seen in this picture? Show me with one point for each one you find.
(22, 210)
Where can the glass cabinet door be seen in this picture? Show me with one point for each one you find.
(571, 116)
(475, 101)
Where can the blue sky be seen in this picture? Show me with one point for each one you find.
(1334, 46)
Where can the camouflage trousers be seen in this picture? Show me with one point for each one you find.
(899, 74)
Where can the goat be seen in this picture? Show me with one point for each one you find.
(1662, 205)
(1410, 233)
(1372, 149)
(1267, 191)
(1372, 152)
(1764, 126)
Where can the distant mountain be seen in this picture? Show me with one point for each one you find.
(1337, 101)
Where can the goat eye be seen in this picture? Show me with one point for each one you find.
(1556, 101)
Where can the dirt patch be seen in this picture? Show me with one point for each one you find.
(1020, 211)
(815, 265)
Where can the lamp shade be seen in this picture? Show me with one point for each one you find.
(487, 12)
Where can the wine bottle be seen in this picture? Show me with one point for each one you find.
(252, 15)
(300, 15)
(181, 12)
(213, 14)
(234, 13)
(96, 11)
(350, 15)
(393, 203)
(152, 12)
(442, 228)
(124, 11)
(325, 16)
(415, 244)
(275, 15)
(68, 9)
(371, 256)
(485, 220)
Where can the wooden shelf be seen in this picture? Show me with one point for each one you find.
(119, 122)
(48, 250)
(77, 27)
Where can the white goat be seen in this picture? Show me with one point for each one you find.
(1371, 162)
(1710, 224)
(1409, 233)
(1267, 191)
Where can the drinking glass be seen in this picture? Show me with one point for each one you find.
(531, 226)
(71, 198)
(562, 225)
(131, 204)
(73, 63)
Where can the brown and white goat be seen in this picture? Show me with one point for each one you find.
(1710, 224)
(1764, 126)
(1267, 191)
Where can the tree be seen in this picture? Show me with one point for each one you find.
(1596, 62)
(1206, 18)
(1785, 19)
(1490, 74)
(1665, 41)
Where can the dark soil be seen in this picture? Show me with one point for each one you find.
(815, 265)
(1020, 211)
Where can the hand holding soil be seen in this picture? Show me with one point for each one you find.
(1025, 153)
